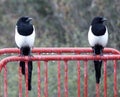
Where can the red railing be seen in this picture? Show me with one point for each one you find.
(61, 54)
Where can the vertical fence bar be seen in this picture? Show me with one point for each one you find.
(0, 86)
(20, 81)
(66, 79)
(26, 78)
(97, 90)
(78, 78)
(39, 80)
(85, 79)
(5, 82)
(46, 79)
(59, 82)
(115, 79)
(105, 78)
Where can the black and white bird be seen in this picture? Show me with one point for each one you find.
(24, 38)
(98, 38)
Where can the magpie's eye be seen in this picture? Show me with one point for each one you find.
(24, 19)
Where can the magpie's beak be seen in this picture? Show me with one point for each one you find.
(104, 19)
(29, 19)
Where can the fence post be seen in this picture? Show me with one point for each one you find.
(26, 78)
(5, 82)
(115, 79)
(78, 78)
(105, 78)
(66, 79)
(39, 80)
(85, 79)
(46, 79)
(59, 77)
(20, 81)
(0, 88)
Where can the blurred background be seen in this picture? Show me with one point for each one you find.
(59, 23)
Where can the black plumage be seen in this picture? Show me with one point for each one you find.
(98, 38)
(24, 38)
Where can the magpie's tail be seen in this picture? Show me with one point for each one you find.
(98, 65)
(22, 65)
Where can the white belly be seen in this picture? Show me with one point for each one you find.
(100, 40)
(22, 41)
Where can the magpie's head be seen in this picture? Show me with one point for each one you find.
(24, 20)
(24, 26)
(98, 20)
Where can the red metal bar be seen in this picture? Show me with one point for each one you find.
(58, 57)
(5, 82)
(59, 77)
(59, 50)
(39, 80)
(85, 79)
(78, 78)
(97, 90)
(20, 81)
(26, 78)
(105, 78)
(4, 61)
(46, 79)
(66, 79)
(72, 50)
(115, 79)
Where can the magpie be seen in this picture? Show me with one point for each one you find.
(24, 38)
(98, 38)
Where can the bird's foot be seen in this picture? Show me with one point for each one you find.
(94, 54)
(101, 52)
(30, 55)
(21, 55)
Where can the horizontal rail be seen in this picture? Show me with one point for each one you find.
(57, 57)
(58, 50)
